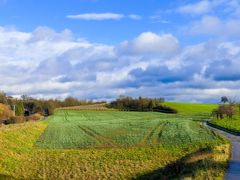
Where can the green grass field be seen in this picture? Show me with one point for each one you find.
(192, 108)
(86, 129)
(112, 145)
(230, 124)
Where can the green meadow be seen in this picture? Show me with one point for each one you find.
(87, 129)
(230, 124)
(192, 108)
(81, 144)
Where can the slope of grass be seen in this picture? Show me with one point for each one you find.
(123, 163)
(16, 142)
(84, 129)
(230, 124)
(193, 108)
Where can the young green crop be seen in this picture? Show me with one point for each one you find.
(88, 129)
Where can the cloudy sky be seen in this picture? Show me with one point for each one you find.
(96, 49)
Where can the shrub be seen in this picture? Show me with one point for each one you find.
(165, 109)
(16, 120)
(223, 111)
(19, 108)
(141, 104)
(34, 117)
(5, 112)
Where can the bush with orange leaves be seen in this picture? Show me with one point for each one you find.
(34, 117)
(5, 112)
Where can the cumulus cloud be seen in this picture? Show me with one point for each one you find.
(151, 43)
(46, 63)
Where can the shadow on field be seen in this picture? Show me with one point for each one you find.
(6, 177)
(184, 167)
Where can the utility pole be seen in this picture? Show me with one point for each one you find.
(14, 110)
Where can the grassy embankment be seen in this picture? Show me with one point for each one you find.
(230, 124)
(16, 144)
(192, 108)
(113, 145)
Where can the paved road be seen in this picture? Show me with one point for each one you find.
(233, 172)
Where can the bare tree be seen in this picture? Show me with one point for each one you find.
(223, 111)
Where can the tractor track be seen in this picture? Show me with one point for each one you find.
(97, 136)
(149, 136)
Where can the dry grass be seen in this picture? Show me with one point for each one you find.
(86, 107)
(17, 143)
(203, 164)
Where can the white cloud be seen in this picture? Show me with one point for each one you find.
(233, 7)
(151, 43)
(47, 34)
(135, 16)
(46, 63)
(200, 7)
(208, 24)
(159, 19)
(103, 16)
(97, 16)
(212, 25)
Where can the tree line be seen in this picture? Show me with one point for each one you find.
(227, 109)
(27, 106)
(125, 103)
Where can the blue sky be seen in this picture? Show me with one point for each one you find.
(29, 14)
(96, 49)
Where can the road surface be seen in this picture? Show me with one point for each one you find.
(233, 172)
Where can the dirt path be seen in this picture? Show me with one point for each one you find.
(233, 172)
